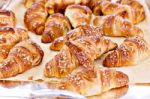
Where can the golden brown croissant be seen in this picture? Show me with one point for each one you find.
(58, 43)
(114, 25)
(8, 38)
(54, 6)
(28, 3)
(35, 17)
(21, 58)
(80, 52)
(89, 82)
(127, 12)
(129, 53)
(94, 3)
(56, 25)
(138, 9)
(7, 18)
(78, 15)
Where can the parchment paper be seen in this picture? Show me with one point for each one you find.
(137, 74)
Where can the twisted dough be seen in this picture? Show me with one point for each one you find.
(21, 58)
(80, 52)
(133, 50)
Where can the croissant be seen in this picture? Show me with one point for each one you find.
(94, 3)
(125, 11)
(78, 15)
(138, 9)
(80, 52)
(56, 25)
(89, 82)
(7, 18)
(114, 25)
(84, 30)
(35, 17)
(22, 57)
(133, 50)
(55, 6)
(9, 37)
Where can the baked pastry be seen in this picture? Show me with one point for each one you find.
(7, 18)
(137, 8)
(84, 30)
(94, 3)
(55, 6)
(56, 25)
(28, 3)
(35, 17)
(125, 11)
(90, 82)
(116, 26)
(133, 50)
(78, 15)
(24, 56)
(80, 52)
(9, 37)
(94, 82)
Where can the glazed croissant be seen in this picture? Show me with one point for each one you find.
(114, 25)
(129, 53)
(7, 18)
(94, 3)
(29, 3)
(54, 6)
(84, 30)
(56, 25)
(9, 37)
(89, 82)
(128, 12)
(21, 58)
(80, 52)
(78, 15)
(138, 9)
(35, 17)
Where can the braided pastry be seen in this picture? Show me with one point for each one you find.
(133, 50)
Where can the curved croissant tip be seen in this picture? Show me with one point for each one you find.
(121, 79)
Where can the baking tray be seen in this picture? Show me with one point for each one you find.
(43, 90)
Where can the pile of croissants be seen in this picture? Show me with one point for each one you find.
(77, 29)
